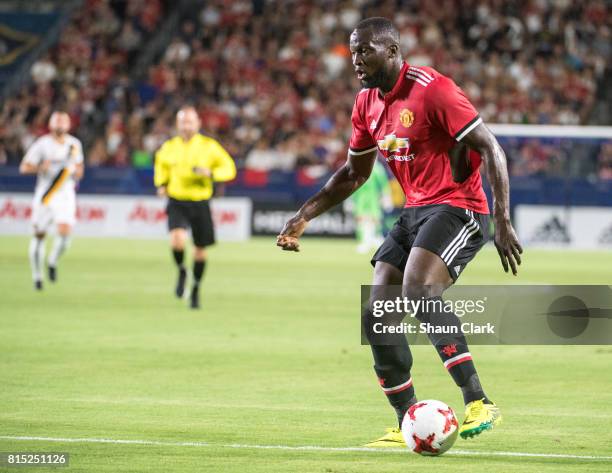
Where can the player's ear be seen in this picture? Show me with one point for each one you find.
(392, 50)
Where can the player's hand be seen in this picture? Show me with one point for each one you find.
(162, 192)
(203, 172)
(508, 247)
(293, 229)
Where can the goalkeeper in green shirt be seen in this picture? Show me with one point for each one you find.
(368, 204)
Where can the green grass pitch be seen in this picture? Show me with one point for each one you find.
(272, 359)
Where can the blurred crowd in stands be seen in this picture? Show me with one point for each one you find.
(80, 74)
(273, 80)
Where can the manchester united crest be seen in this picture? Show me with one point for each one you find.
(406, 117)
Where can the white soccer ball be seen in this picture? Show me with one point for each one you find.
(430, 427)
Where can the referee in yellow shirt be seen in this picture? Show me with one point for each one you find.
(185, 168)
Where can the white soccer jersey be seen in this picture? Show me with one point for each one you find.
(60, 156)
(54, 197)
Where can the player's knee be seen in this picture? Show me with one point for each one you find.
(39, 235)
(416, 286)
(385, 274)
(178, 238)
(64, 230)
(177, 245)
(199, 253)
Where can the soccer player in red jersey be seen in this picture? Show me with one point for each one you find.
(433, 140)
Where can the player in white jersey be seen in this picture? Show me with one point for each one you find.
(57, 160)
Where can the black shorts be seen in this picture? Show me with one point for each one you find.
(454, 234)
(195, 215)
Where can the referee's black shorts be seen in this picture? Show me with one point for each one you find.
(454, 234)
(192, 214)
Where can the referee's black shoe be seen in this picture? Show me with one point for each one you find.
(52, 273)
(194, 300)
(180, 283)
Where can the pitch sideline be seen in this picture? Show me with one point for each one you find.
(315, 448)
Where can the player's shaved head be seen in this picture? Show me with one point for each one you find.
(375, 52)
(187, 121)
(59, 123)
(381, 29)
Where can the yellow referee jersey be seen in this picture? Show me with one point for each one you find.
(176, 160)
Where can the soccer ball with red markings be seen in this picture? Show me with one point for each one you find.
(430, 427)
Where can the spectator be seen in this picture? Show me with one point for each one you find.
(43, 70)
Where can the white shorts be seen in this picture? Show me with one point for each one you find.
(60, 209)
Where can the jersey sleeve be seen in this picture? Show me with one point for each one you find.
(161, 174)
(224, 168)
(449, 108)
(361, 141)
(34, 154)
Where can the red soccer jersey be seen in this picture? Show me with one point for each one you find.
(413, 127)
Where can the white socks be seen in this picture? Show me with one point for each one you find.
(37, 257)
(60, 244)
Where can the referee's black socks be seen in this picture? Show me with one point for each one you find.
(182, 276)
(179, 256)
(198, 271)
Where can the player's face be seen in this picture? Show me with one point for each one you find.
(370, 58)
(59, 123)
(187, 122)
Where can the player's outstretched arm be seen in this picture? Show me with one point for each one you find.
(27, 167)
(508, 247)
(341, 185)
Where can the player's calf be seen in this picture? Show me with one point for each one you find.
(198, 272)
(445, 334)
(194, 297)
(37, 256)
(392, 365)
(179, 289)
(178, 254)
(60, 244)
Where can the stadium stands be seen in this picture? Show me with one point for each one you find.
(277, 76)
(81, 73)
